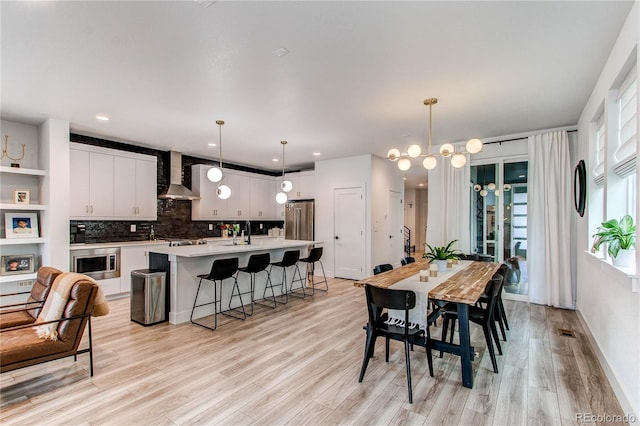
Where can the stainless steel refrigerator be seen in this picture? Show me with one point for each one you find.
(298, 221)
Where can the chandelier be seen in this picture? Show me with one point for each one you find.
(286, 185)
(458, 159)
(215, 173)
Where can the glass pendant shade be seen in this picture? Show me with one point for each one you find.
(429, 162)
(286, 186)
(484, 192)
(224, 192)
(491, 186)
(404, 164)
(214, 174)
(458, 160)
(393, 154)
(281, 198)
(506, 187)
(474, 146)
(477, 187)
(497, 193)
(414, 151)
(446, 150)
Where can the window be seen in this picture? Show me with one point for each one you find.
(601, 143)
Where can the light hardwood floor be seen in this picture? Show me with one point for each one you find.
(299, 364)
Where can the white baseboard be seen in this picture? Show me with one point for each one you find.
(627, 407)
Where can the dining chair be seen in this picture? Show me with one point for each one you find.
(407, 260)
(501, 316)
(478, 315)
(379, 299)
(382, 268)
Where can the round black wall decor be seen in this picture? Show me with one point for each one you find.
(580, 187)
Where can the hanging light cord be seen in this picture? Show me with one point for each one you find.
(220, 123)
(283, 144)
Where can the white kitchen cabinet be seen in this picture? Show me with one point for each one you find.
(209, 206)
(108, 184)
(91, 178)
(239, 203)
(263, 198)
(303, 186)
(135, 192)
(131, 259)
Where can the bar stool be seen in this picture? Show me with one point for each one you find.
(290, 258)
(314, 256)
(220, 271)
(258, 263)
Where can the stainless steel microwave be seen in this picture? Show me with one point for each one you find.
(99, 264)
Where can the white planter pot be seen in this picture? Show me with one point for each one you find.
(625, 258)
(442, 265)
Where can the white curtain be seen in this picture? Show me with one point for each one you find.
(449, 204)
(549, 220)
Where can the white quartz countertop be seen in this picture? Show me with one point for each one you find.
(161, 242)
(229, 248)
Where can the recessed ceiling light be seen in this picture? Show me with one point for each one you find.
(275, 160)
(522, 176)
(316, 153)
(421, 184)
(281, 51)
(404, 178)
(211, 144)
(102, 117)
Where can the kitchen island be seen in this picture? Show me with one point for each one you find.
(183, 265)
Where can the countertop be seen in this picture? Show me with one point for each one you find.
(227, 247)
(160, 242)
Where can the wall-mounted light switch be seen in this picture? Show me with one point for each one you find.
(133, 227)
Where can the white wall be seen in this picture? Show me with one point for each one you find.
(339, 173)
(385, 177)
(605, 300)
(54, 158)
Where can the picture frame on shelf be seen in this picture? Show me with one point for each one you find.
(15, 264)
(21, 196)
(21, 225)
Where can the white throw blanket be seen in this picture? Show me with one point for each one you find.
(56, 301)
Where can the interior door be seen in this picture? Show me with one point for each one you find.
(349, 239)
(395, 223)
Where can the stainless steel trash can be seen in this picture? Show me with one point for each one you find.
(148, 296)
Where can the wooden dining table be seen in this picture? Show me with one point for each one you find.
(463, 288)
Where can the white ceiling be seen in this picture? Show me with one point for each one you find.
(353, 82)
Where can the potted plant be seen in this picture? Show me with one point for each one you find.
(620, 237)
(440, 255)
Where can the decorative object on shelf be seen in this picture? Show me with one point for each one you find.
(15, 264)
(21, 225)
(21, 196)
(286, 185)
(458, 159)
(620, 237)
(5, 152)
(215, 173)
(440, 255)
(580, 187)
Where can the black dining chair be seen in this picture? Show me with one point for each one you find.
(407, 260)
(478, 315)
(258, 263)
(500, 316)
(379, 299)
(382, 268)
(314, 256)
(221, 270)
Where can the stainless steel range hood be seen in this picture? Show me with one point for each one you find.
(176, 191)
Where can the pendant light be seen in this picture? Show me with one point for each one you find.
(458, 158)
(286, 185)
(215, 173)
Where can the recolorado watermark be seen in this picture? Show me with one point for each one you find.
(605, 418)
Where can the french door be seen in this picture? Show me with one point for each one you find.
(499, 217)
